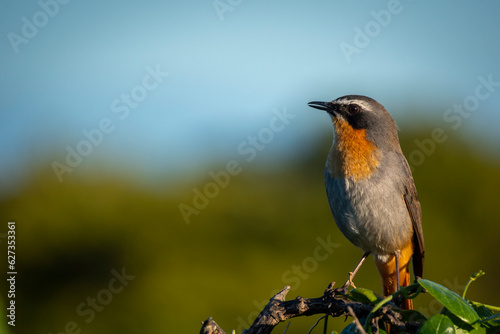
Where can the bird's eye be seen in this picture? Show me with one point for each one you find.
(353, 109)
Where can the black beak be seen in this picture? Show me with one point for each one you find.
(326, 106)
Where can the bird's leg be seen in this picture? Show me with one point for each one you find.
(353, 273)
(396, 258)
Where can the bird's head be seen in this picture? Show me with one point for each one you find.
(355, 113)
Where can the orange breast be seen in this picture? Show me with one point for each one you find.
(352, 155)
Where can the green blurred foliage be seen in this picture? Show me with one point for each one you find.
(257, 235)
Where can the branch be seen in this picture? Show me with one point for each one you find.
(333, 302)
(210, 327)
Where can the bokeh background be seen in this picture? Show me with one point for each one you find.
(158, 97)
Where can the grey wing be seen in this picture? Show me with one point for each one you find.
(412, 202)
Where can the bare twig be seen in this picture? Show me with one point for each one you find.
(316, 323)
(356, 321)
(209, 326)
(288, 325)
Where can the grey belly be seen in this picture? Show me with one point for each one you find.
(372, 215)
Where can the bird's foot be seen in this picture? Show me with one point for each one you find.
(348, 283)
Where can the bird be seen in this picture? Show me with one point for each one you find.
(371, 191)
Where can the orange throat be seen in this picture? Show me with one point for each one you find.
(352, 155)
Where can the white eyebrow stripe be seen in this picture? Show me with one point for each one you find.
(362, 104)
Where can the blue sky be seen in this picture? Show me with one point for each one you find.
(228, 69)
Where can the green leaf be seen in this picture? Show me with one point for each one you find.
(437, 324)
(480, 330)
(482, 311)
(489, 320)
(452, 301)
(460, 330)
(461, 327)
(412, 315)
(364, 296)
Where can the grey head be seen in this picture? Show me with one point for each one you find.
(362, 112)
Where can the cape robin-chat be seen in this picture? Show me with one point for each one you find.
(371, 192)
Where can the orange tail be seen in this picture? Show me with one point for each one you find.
(387, 271)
